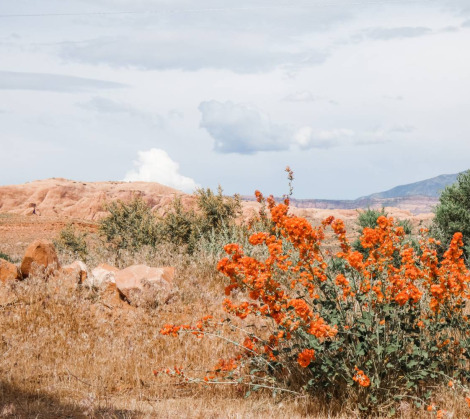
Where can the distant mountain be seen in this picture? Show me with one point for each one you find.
(429, 187)
(418, 197)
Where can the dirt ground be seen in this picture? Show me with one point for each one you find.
(18, 231)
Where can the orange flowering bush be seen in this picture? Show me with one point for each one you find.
(380, 327)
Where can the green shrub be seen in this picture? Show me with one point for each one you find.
(178, 225)
(452, 214)
(72, 241)
(216, 210)
(214, 215)
(129, 226)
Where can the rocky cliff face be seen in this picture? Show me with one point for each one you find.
(84, 200)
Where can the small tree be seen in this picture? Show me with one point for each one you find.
(452, 214)
(129, 226)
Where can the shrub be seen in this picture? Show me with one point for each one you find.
(215, 213)
(72, 241)
(129, 226)
(177, 226)
(377, 330)
(452, 214)
(216, 210)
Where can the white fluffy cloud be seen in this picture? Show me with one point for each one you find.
(155, 165)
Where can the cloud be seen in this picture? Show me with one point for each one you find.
(402, 128)
(239, 128)
(466, 24)
(300, 96)
(155, 165)
(306, 138)
(108, 106)
(386, 34)
(307, 96)
(10, 80)
(191, 50)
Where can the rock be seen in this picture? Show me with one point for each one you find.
(40, 255)
(103, 274)
(144, 285)
(110, 296)
(78, 270)
(8, 271)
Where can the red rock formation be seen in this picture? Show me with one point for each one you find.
(40, 254)
(84, 200)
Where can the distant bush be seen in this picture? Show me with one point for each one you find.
(72, 241)
(129, 226)
(216, 210)
(178, 225)
(452, 214)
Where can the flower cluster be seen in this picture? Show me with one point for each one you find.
(361, 378)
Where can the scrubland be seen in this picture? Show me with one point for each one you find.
(320, 325)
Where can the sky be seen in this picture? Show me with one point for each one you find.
(356, 96)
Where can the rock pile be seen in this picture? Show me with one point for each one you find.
(137, 284)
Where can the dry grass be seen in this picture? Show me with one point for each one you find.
(66, 353)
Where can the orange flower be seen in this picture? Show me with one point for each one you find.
(361, 378)
(305, 357)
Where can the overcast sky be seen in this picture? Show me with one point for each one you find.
(356, 96)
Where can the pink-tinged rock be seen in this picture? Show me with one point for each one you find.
(8, 271)
(77, 270)
(39, 255)
(144, 285)
(103, 274)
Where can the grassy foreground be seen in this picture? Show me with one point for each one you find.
(68, 353)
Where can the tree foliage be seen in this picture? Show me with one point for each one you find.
(452, 214)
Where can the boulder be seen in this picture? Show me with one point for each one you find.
(40, 255)
(103, 274)
(110, 296)
(8, 271)
(144, 285)
(77, 270)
